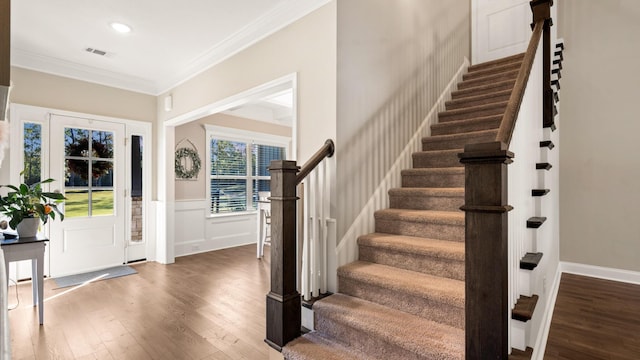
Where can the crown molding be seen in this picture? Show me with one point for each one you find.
(55, 66)
(283, 15)
(269, 23)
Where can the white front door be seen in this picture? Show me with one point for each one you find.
(499, 28)
(87, 160)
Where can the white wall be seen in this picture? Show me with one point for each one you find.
(394, 59)
(599, 198)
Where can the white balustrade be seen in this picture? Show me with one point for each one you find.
(316, 230)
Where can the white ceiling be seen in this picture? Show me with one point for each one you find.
(170, 40)
(276, 108)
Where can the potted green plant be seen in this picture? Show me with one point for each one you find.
(27, 205)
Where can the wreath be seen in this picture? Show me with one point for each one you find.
(181, 171)
(81, 167)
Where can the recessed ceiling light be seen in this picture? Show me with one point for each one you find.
(120, 27)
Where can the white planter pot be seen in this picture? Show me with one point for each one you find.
(28, 227)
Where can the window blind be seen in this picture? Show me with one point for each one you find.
(228, 176)
(239, 170)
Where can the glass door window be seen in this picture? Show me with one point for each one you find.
(89, 172)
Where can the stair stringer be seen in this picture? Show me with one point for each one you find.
(364, 223)
(524, 176)
(549, 274)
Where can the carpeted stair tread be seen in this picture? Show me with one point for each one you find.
(473, 112)
(386, 333)
(499, 68)
(442, 225)
(406, 281)
(469, 125)
(483, 89)
(497, 62)
(431, 297)
(451, 250)
(445, 199)
(432, 216)
(480, 99)
(436, 158)
(444, 192)
(459, 140)
(433, 177)
(404, 298)
(490, 79)
(430, 256)
(312, 346)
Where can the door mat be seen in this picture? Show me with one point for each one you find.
(104, 274)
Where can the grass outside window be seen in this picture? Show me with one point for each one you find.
(77, 203)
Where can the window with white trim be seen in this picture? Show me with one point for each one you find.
(237, 166)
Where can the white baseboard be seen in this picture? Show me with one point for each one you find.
(626, 276)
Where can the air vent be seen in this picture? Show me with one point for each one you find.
(96, 51)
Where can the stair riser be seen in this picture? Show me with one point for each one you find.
(420, 229)
(435, 143)
(363, 341)
(441, 203)
(492, 70)
(412, 304)
(466, 102)
(436, 159)
(511, 75)
(456, 127)
(451, 269)
(437, 181)
(477, 91)
(465, 115)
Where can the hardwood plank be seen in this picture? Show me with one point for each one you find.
(205, 306)
(595, 319)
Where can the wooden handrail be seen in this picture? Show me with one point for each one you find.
(508, 123)
(326, 150)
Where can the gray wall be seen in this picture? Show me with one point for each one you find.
(394, 60)
(600, 152)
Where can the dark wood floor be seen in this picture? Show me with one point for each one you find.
(595, 319)
(212, 306)
(206, 306)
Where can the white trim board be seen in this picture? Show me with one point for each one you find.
(626, 276)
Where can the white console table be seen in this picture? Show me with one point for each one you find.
(30, 248)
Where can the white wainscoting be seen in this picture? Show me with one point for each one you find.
(198, 232)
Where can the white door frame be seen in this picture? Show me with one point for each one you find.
(165, 250)
(20, 113)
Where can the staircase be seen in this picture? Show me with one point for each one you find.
(404, 298)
